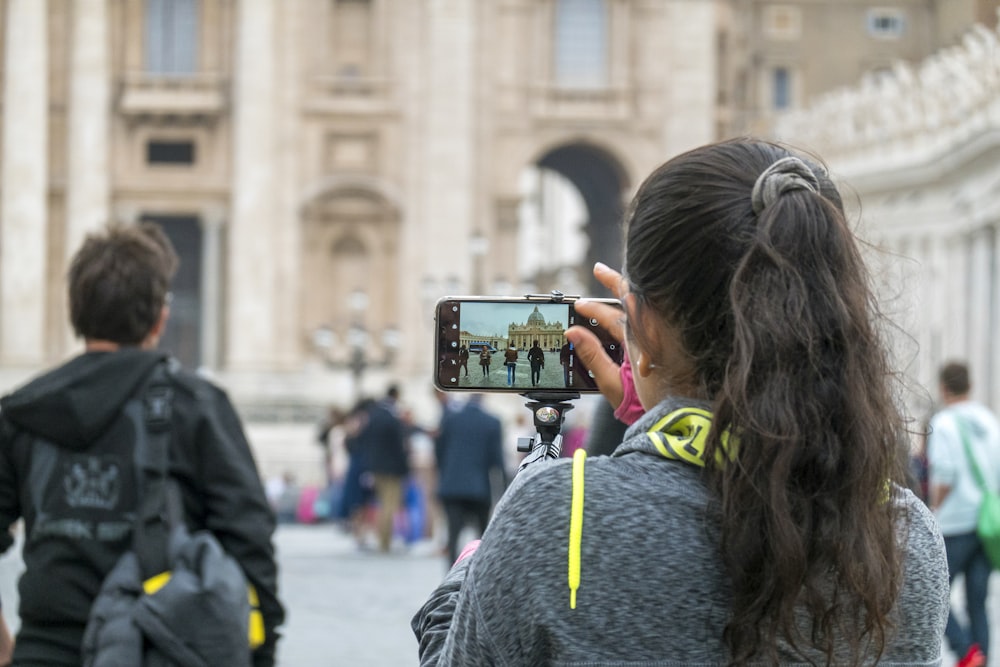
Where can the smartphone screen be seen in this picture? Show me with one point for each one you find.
(512, 345)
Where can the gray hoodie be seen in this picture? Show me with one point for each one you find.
(652, 591)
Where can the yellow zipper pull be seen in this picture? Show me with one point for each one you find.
(576, 525)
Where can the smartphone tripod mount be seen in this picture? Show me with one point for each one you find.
(548, 412)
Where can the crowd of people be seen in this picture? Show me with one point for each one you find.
(403, 479)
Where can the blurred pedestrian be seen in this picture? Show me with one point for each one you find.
(469, 451)
(536, 358)
(485, 357)
(961, 430)
(386, 437)
(283, 492)
(358, 494)
(510, 361)
(328, 437)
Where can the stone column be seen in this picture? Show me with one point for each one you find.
(954, 329)
(689, 111)
(24, 183)
(87, 178)
(979, 320)
(937, 305)
(251, 339)
(506, 221)
(443, 171)
(211, 222)
(994, 380)
(287, 247)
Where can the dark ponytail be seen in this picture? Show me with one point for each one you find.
(775, 310)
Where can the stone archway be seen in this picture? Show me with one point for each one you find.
(601, 182)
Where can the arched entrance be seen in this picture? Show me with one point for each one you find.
(350, 263)
(575, 200)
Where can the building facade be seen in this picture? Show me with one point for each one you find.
(917, 155)
(328, 169)
(780, 54)
(548, 335)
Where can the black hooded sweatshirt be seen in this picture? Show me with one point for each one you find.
(77, 408)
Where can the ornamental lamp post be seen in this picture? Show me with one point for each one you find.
(352, 352)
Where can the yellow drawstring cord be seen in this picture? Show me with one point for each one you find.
(255, 630)
(576, 525)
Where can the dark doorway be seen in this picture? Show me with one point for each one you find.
(601, 182)
(183, 335)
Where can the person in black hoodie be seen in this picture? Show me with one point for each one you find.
(78, 513)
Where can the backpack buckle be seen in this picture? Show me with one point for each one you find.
(157, 407)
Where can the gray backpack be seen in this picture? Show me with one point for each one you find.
(175, 598)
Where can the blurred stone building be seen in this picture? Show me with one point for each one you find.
(329, 168)
(779, 55)
(916, 151)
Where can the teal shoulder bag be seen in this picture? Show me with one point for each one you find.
(988, 523)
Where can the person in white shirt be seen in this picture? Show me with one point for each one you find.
(955, 498)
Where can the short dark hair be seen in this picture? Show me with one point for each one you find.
(118, 282)
(954, 377)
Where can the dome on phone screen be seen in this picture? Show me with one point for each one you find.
(536, 317)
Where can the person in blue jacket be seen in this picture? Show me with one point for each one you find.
(468, 451)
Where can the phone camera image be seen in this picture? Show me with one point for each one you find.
(512, 345)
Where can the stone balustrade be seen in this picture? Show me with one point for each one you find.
(906, 115)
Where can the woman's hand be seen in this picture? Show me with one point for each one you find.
(607, 373)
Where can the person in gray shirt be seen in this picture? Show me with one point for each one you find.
(757, 513)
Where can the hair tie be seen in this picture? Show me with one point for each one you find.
(784, 175)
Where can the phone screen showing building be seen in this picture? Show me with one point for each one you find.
(516, 346)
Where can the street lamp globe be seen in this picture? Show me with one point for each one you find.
(357, 337)
(358, 301)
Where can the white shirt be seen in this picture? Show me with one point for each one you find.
(948, 464)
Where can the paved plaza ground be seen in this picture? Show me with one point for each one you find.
(352, 608)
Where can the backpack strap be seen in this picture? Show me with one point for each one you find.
(157, 512)
(977, 474)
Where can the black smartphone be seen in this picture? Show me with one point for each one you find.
(513, 344)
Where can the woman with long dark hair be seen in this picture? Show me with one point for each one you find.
(757, 513)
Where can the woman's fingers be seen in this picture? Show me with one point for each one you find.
(609, 278)
(588, 347)
(606, 372)
(611, 318)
